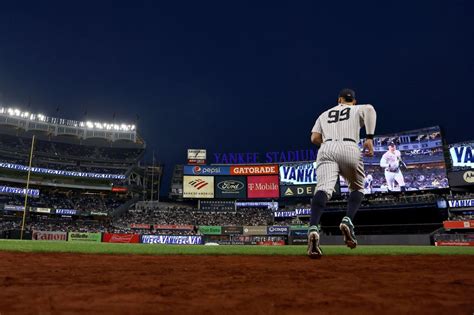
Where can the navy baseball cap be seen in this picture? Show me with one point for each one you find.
(391, 144)
(347, 93)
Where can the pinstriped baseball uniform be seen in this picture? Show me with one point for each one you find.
(339, 153)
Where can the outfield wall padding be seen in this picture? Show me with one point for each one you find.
(400, 239)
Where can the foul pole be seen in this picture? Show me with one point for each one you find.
(152, 175)
(27, 186)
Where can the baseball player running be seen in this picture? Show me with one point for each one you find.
(337, 131)
(391, 161)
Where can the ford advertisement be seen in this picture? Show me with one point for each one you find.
(230, 187)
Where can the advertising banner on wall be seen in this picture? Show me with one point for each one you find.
(84, 237)
(198, 187)
(99, 213)
(66, 211)
(206, 170)
(172, 239)
(14, 208)
(298, 174)
(228, 230)
(298, 240)
(263, 187)
(140, 226)
(173, 227)
(255, 230)
(49, 236)
(19, 191)
(230, 187)
(210, 230)
(461, 203)
(297, 191)
(40, 210)
(254, 170)
(467, 224)
(40, 170)
(278, 230)
(121, 238)
(119, 189)
(284, 214)
(461, 178)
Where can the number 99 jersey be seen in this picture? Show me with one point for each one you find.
(343, 122)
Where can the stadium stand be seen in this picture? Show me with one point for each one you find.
(191, 216)
(82, 171)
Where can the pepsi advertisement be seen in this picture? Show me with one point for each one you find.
(206, 170)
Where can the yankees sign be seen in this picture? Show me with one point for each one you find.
(462, 156)
(298, 174)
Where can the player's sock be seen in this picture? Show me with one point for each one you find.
(318, 203)
(353, 204)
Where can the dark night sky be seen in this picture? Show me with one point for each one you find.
(235, 76)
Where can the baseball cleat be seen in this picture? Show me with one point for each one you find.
(347, 229)
(314, 252)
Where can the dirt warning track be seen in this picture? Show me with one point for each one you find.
(33, 283)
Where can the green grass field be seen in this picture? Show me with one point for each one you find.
(153, 249)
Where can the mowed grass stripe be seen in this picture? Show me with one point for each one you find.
(153, 249)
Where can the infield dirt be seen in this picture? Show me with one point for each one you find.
(36, 283)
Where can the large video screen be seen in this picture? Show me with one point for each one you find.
(405, 161)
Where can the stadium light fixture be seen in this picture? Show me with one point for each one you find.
(16, 112)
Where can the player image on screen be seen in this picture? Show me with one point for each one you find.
(404, 161)
(368, 181)
(391, 162)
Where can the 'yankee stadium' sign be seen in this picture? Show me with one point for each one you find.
(267, 157)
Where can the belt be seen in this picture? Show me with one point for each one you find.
(343, 139)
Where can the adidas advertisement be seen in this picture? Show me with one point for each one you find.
(233, 187)
(198, 187)
(297, 191)
(298, 174)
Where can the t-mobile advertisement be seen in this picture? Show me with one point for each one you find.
(263, 187)
(405, 161)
